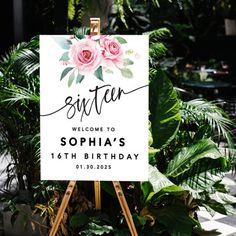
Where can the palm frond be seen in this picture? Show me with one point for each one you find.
(27, 61)
(22, 58)
(157, 48)
(36, 144)
(156, 51)
(71, 9)
(200, 111)
(120, 8)
(159, 34)
(19, 93)
(9, 57)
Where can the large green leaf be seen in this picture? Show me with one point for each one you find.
(157, 179)
(158, 186)
(176, 219)
(213, 207)
(223, 198)
(164, 109)
(185, 159)
(204, 176)
(203, 181)
(95, 229)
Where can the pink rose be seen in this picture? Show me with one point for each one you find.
(86, 56)
(112, 52)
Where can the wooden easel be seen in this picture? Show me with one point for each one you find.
(95, 30)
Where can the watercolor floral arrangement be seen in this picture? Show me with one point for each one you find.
(86, 55)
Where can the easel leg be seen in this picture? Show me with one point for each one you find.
(62, 208)
(125, 208)
(97, 191)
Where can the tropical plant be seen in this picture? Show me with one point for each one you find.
(202, 112)
(187, 163)
(19, 118)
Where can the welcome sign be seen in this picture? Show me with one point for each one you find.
(94, 107)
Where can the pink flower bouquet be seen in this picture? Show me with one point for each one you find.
(86, 55)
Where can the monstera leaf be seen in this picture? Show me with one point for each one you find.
(164, 109)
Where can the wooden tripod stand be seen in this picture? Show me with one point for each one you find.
(95, 30)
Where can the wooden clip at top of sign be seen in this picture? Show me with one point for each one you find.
(94, 26)
(62, 208)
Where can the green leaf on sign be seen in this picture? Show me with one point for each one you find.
(129, 52)
(127, 62)
(98, 73)
(126, 73)
(120, 39)
(62, 42)
(65, 56)
(71, 78)
(79, 78)
(80, 36)
(109, 71)
(65, 72)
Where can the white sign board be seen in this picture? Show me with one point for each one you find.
(94, 107)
